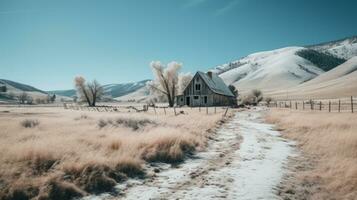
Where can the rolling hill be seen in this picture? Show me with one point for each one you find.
(338, 82)
(113, 90)
(285, 68)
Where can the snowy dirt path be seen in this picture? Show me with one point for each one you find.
(245, 160)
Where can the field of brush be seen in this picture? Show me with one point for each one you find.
(327, 165)
(53, 153)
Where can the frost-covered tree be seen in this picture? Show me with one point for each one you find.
(183, 80)
(90, 92)
(166, 79)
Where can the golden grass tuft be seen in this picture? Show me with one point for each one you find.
(331, 140)
(170, 149)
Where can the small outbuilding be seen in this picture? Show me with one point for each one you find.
(206, 89)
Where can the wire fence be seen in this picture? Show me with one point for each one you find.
(345, 104)
(157, 110)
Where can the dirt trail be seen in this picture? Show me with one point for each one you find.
(245, 160)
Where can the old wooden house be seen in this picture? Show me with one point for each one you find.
(206, 89)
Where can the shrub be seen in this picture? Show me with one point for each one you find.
(30, 123)
(19, 191)
(169, 150)
(134, 124)
(268, 100)
(58, 190)
(39, 161)
(254, 98)
(102, 123)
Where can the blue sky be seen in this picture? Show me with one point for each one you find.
(46, 43)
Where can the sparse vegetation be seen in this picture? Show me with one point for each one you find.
(67, 158)
(324, 61)
(268, 100)
(253, 99)
(135, 124)
(30, 123)
(328, 141)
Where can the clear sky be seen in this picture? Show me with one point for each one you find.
(46, 43)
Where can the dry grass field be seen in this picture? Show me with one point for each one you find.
(329, 141)
(52, 153)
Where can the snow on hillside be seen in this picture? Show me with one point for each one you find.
(139, 95)
(345, 48)
(113, 90)
(269, 70)
(336, 83)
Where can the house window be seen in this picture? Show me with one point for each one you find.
(205, 100)
(195, 97)
(198, 87)
(181, 99)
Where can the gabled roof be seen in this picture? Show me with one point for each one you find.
(216, 84)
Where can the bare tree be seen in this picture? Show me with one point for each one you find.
(257, 95)
(22, 98)
(95, 91)
(268, 100)
(89, 92)
(166, 79)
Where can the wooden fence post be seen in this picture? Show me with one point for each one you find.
(207, 110)
(329, 106)
(154, 109)
(352, 104)
(295, 105)
(199, 108)
(225, 113)
(290, 104)
(320, 105)
(164, 110)
(215, 110)
(311, 104)
(303, 105)
(339, 105)
(175, 110)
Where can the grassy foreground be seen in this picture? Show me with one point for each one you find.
(329, 141)
(51, 153)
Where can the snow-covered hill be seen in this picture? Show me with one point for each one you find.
(269, 70)
(284, 68)
(345, 48)
(113, 90)
(338, 82)
(14, 89)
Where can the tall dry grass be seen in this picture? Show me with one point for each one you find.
(69, 154)
(330, 139)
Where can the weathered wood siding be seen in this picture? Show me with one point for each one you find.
(203, 97)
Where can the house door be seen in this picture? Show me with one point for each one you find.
(188, 101)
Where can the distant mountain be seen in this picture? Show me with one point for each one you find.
(288, 67)
(12, 85)
(113, 90)
(14, 89)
